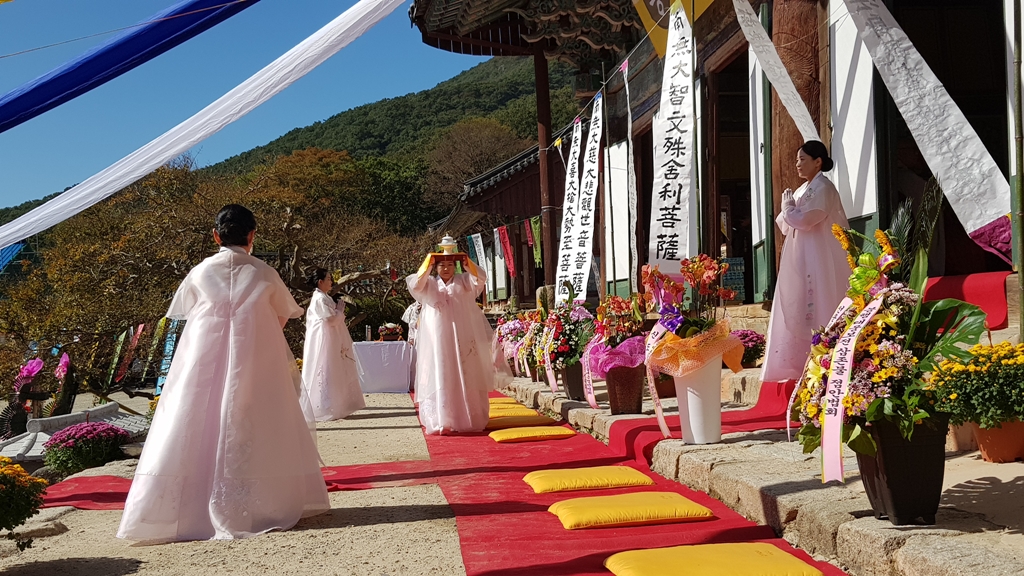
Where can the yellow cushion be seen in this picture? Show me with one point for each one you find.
(517, 421)
(747, 559)
(503, 400)
(531, 433)
(517, 411)
(543, 481)
(633, 509)
(507, 406)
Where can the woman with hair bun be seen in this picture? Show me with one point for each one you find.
(328, 365)
(813, 273)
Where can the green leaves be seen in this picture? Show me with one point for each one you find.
(947, 328)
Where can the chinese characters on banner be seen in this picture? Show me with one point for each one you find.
(570, 207)
(481, 255)
(581, 253)
(673, 206)
(972, 182)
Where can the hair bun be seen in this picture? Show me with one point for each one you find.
(827, 164)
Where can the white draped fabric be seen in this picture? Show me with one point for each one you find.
(259, 88)
(813, 277)
(229, 454)
(329, 372)
(456, 366)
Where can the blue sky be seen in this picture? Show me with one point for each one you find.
(76, 140)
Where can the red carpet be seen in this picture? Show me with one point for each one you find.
(636, 438)
(986, 290)
(505, 529)
(90, 493)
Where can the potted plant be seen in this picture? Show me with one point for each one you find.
(23, 497)
(616, 353)
(690, 342)
(753, 346)
(987, 391)
(390, 332)
(568, 329)
(867, 380)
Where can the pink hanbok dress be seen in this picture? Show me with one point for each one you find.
(813, 277)
(456, 367)
(329, 372)
(229, 454)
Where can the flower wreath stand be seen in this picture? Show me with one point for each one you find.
(622, 368)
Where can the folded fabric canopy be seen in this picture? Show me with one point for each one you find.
(136, 46)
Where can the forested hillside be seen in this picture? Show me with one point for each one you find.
(502, 88)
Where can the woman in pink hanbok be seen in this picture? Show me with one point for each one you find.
(456, 366)
(329, 372)
(813, 274)
(229, 454)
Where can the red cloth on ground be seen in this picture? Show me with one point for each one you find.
(986, 290)
(635, 438)
(89, 493)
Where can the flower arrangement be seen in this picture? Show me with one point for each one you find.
(156, 400)
(987, 388)
(22, 496)
(753, 345)
(619, 335)
(901, 343)
(567, 331)
(526, 353)
(82, 446)
(693, 331)
(510, 334)
(390, 329)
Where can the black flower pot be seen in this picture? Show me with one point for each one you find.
(903, 479)
(572, 381)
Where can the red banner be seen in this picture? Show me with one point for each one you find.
(506, 247)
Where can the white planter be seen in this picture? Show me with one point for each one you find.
(700, 403)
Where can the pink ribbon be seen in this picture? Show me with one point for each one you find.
(551, 377)
(588, 375)
(836, 316)
(652, 341)
(838, 383)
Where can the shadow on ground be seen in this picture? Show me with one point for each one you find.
(77, 567)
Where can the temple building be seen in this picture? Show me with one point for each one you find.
(746, 140)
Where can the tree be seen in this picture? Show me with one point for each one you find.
(469, 148)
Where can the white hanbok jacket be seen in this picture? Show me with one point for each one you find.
(456, 367)
(813, 277)
(229, 454)
(329, 372)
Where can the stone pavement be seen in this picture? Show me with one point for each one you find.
(980, 528)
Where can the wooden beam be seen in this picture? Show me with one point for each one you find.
(548, 221)
(795, 35)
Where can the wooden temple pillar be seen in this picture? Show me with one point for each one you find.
(796, 38)
(549, 239)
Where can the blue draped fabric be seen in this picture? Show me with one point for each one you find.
(134, 47)
(8, 254)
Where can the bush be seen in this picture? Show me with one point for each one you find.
(22, 496)
(84, 445)
(753, 345)
(987, 389)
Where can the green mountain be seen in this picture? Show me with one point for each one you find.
(9, 214)
(499, 87)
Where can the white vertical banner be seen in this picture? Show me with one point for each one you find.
(970, 178)
(478, 245)
(762, 47)
(673, 232)
(758, 170)
(582, 233)
(634, 257)
(570, 207)
(498, 249)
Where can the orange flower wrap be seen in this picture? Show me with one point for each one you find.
(677, 356)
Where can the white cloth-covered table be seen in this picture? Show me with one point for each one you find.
(384, 366)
